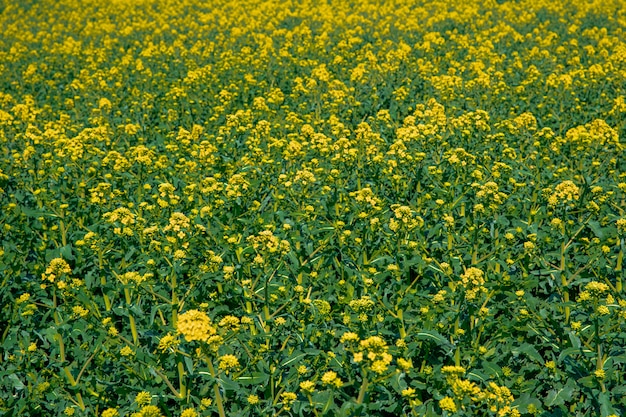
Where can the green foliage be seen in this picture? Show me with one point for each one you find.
(346, 209)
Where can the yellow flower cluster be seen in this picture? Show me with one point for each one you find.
(489, 192)
(565, 192)
(57, 268)
(288, 399)
(497, 398)
(331, 378)
(124, 217)
(228, 363)
(473, 281)
(404, 216)
(307, 386)
(266, 241)
(195, 325)
(596, 133)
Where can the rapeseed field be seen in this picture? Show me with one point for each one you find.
(312, 208)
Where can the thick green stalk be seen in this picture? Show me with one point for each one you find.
(181, 380)
(131, 318)
(618, 269)
(564, 284)
(174, 298)
(363, 389)
(216, 390)
(103, 281)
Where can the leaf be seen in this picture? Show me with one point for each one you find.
(436, 337)
(598, 230)
(524, 400)
(559, 396)
(189, 364)
(255, 378)
(293, 358)
(606, 408)
(530, 351)
(574, 339)
(492, 369)
(66, 252)
(15, 381)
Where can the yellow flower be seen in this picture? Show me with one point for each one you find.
(288, 399)
(408, 393)
(453, 370)
(189, 412)
(150, 411)
(349, 337)
(230, 323)
(56, 268)
(127, 351)
(331, 378)
(80, 311)
(167, 342)
(447, 404)
(110, 412)
(596, 288)
(253, 399)
(307, 386)
(143, 398)
(195, 325)
(603, 310)
(228, 363)
(405, 364)
(379, 367)
(564, 192)
(23, 298)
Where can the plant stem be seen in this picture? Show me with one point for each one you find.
(103, 281)
(181, 379)
(216, 390)
(174, 298)
(363, 389)
(564, 283)
(131, 318)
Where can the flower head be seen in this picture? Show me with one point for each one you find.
(195, 325)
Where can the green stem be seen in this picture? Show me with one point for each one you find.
(174, 298)
(216, 390)
(618, 268)
(181, 379)
(103, 281)
(363, 389)
(402, 328)
(63, 233)
(308, 396)
(131, 318)
(167, 381)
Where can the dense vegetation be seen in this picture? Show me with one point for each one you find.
(260, 207)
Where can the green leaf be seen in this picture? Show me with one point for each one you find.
(530, 351)
(559, 396)
(437, 338)
(606, 407)
(255, 378)
(15, 381)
